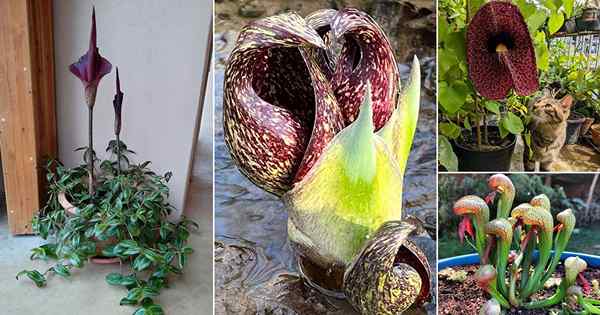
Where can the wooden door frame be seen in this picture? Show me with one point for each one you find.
(27, 106)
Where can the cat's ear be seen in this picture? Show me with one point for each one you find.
(566, 101)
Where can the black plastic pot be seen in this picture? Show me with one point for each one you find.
(471, 160)
(588, 21)
(574, 127)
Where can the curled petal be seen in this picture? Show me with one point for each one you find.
(574, 266)
(366, 56)
(391, 270)
(540, 201)
(321, 21)
(91, 67)
(472, 205)
(500, 228)
(500, 52)
(501, 183)
(536, 216)
(277, 105)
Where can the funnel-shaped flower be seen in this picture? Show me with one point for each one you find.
(573, 266)
(476, 209)
(283, 103)
(91, 67)
(502, 184)
(541, 201)
(334, 143)
(500, 52)
(541, 220)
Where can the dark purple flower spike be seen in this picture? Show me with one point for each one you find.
(91, 67)
(366, 56)
(279, 112)
(117, 104)
(500, 52)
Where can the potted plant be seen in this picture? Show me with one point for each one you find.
(480, 115)
(574, 74)
(519, 250)
(111, 211)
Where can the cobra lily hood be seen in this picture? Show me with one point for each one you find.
(500, 52)
(329, 133)
(91, 67)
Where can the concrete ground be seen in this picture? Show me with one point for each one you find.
(572, 158)
(87, 292)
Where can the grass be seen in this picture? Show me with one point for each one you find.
(584, 240)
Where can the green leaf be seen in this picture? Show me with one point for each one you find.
(555, 22)
(453, 97)
(126, 301)
(187, 250)
(141, 263)
(114, 278)
(449, 129)
(35, 276)
(44, 252)
(568, 6)
(76, 260)
(512, 123)
(493, 107)
(135, 294)
(61, 270)
(151, 309)
(536, 20)
(152, 256)
(149, 292)
(446, 155)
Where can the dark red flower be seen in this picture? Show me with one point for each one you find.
(117, 104)
(91, 67)
(500, 52)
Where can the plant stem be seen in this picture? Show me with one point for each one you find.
(91, 152)
(118, 155)
(478, 128)
(485, 130)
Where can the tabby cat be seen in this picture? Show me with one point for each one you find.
(548, 129)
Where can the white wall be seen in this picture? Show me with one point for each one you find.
(159, 47)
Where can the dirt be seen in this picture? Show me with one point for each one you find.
(467, 298)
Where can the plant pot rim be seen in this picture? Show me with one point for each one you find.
(70, 209)
(473, 259)
(66, 204)
(511, 144)
(576, 117)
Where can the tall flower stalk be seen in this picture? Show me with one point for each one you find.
(117, 104)
(90, 68)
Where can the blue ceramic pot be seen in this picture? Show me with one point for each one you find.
(473, 259)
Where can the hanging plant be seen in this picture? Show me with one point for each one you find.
(330, 134)
(118, 215)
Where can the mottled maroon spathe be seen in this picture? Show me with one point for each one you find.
(91, 67)
(494, 73)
